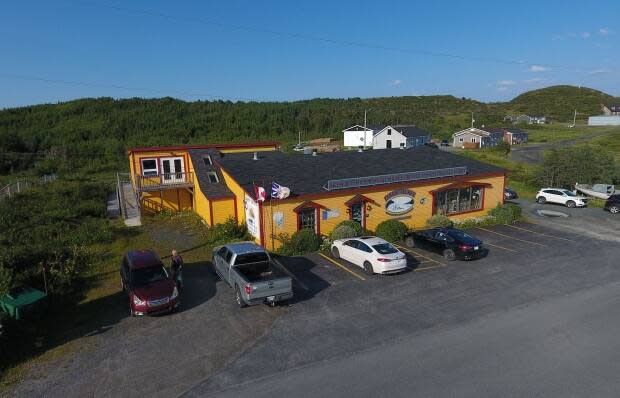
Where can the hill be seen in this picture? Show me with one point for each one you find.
(91, 135)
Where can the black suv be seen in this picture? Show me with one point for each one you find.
(450, 242)
(613, 204)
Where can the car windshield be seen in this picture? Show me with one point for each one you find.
(148, 275)
(569, 193)
(385, 248)
(460, 235)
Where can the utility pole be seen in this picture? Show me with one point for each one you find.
(299, 138)
(575, 118)
(472, 120)
(365, 112)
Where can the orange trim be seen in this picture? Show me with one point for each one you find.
(360, 198)
(464, 184)
(307, 204)
(268, 144)
(211, 213)
(262, 226)
(236, 212)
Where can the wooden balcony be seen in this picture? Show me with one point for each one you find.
(164, 181)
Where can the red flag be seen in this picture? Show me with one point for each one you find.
(260, 193)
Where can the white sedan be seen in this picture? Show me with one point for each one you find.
(373, 254)
(561, 196)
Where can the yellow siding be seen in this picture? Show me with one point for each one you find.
(173, 199)
(222, 210)
(238, 192)
(247, 149)
(415, 219)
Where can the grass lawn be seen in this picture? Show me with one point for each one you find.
(557, 132)
(103, 303)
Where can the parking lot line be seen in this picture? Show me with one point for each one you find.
(419, 254)
(511, 237)
(427, 268)
(342, 266)
(500, 247)
(540, 233)
(289, 273)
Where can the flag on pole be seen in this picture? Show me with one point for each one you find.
(260, 193)
(279, 192)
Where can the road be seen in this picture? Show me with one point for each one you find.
(533, 153)
(567, 347)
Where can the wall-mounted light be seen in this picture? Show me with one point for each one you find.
(422, 201)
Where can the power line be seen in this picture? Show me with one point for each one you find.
(302, 36)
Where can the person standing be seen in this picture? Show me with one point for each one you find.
(176, 266)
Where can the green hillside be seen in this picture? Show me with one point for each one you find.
(92, 134)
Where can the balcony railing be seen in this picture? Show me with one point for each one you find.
(164, 181)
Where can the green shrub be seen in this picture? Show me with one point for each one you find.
(391, 230)
(303, 241)
(439, 220)
(227, 231)
(343, 232)
(357, 228)
(506, 213)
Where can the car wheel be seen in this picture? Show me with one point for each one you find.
(449, 255)
(570, 203)
(409, 241)
(368, 268)
(541, 199)
(131, 311)
(238, 298)
(335, 252)
(614, 209)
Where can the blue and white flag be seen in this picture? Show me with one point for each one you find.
(279, 192)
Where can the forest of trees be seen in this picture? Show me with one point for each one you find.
(92, 134)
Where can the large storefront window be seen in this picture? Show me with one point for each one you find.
(307, 219)
(458, 200)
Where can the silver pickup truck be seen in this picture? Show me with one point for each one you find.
(248, 269)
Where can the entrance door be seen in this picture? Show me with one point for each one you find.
(388, 143)
(172, 170)
(357, 213)
(307, 219)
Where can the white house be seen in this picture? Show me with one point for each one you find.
(356, 136)
(400, 136)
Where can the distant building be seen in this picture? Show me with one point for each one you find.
(400, 136)
(527, 119)
(356, 136)
(604, 120)
(513, 135)
(610, 109)
(473, 138)
(383, 137)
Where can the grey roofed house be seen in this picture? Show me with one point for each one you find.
(611, 109)
(410, 130)
(305, 174)
(204, 161)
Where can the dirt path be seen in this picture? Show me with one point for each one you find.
(534, 153)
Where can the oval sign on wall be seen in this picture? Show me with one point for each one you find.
(399, 202)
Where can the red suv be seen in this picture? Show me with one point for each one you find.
(146, 281)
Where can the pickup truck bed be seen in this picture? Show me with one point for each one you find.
(247, 268)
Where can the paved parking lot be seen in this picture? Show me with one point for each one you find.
(337, 311)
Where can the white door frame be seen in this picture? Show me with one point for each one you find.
(175, 176)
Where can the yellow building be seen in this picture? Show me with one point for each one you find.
(371, 186)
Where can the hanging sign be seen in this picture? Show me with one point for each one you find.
(399, 201)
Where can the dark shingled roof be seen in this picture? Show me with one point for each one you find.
(410, 130)
(306, 174)
(210, 189)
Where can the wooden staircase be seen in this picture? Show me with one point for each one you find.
(128, 200)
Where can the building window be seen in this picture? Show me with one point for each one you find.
(149, 167)
(213, 177)
(207, 160)
(461, 139)
(473, 140)
(307, 219)
(389, 131)
(461, 200)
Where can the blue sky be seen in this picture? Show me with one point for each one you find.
(285, 50)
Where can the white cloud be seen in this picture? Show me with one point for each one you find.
(502, 88)
(538, 68)
(506, 83)
(396, 82)
(532, 80)
(604, 31)
(600, 71)
(585, 35)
